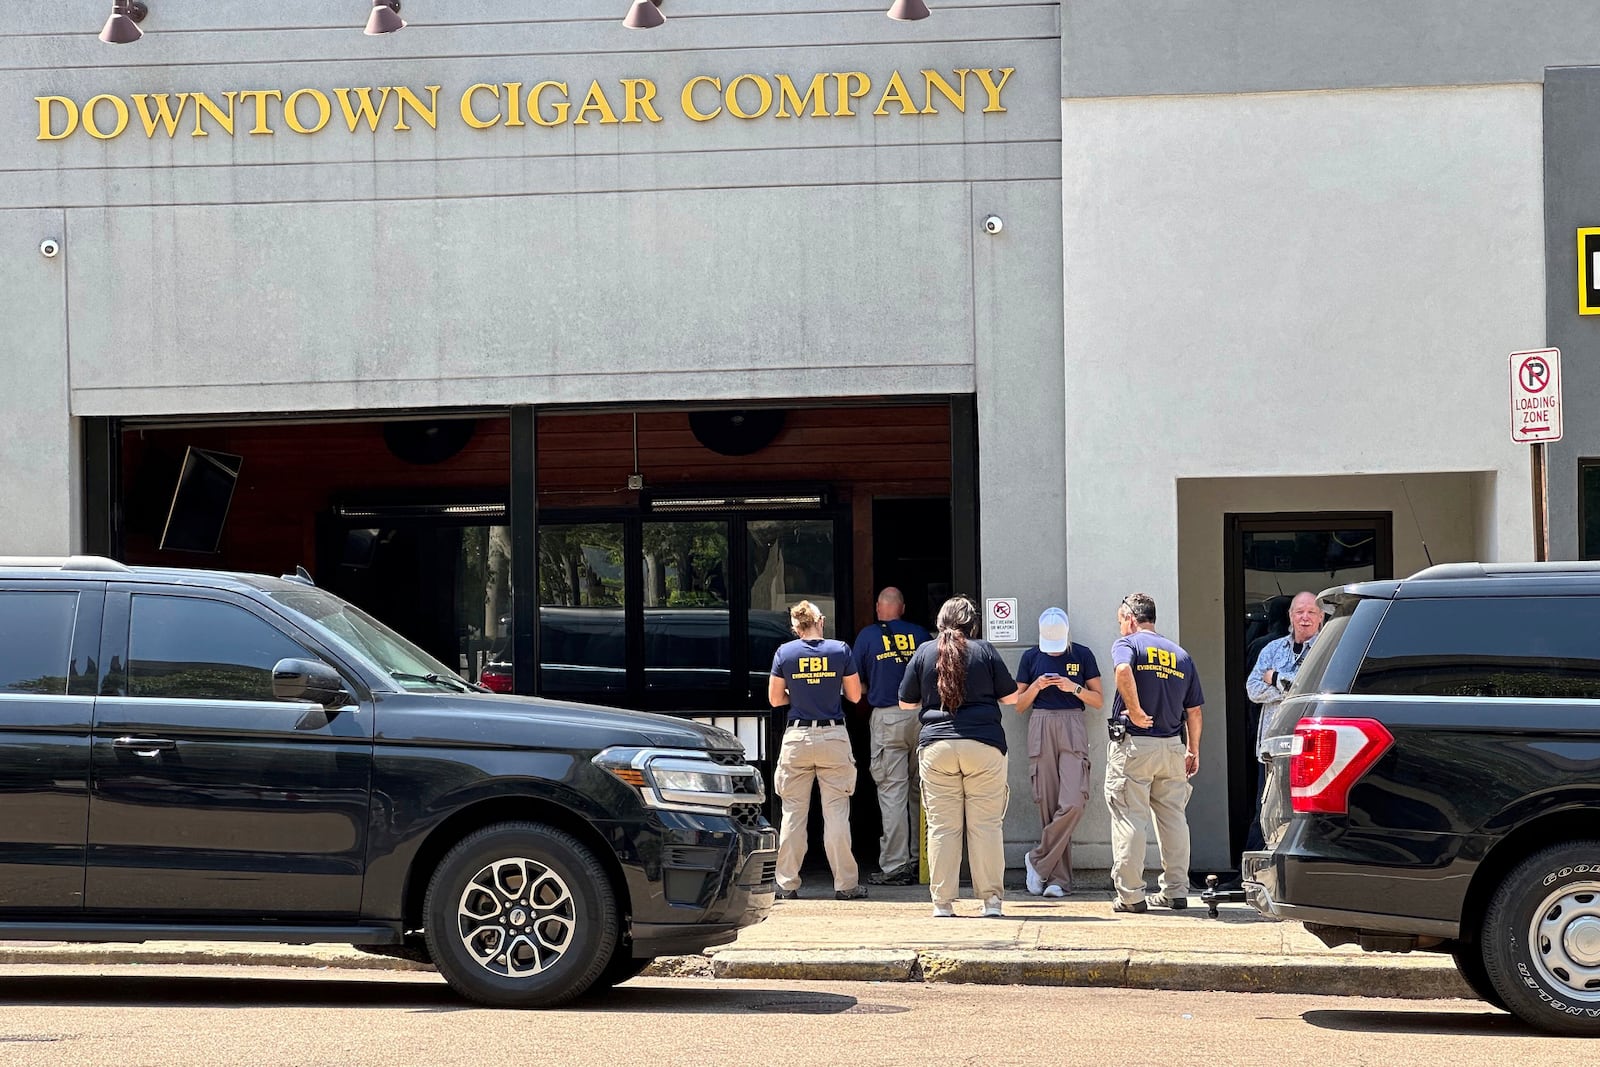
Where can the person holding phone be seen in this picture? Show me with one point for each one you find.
(1058, 680)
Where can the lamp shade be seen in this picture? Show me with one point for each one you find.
(644, 15)
(908, 10)
(123, 25)
(384, 19)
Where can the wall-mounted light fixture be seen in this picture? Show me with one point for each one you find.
(908, 10)
(385, 18)
(123, 25)
(644, 15)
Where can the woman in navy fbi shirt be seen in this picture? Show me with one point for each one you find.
(810, 675)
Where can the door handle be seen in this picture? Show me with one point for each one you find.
(148, 747)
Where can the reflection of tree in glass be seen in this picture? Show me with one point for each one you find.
(685, 564)
(790, 560)
(201, 681)
(486, 566)
(48, 685)
(483, 594)
(568, 572)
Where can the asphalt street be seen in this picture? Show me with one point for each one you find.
(265, 1016)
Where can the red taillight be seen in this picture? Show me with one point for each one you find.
(1329, 756)
(495, 681)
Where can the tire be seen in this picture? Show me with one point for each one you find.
(1541, 939)
(561, 935)
(1469, 963)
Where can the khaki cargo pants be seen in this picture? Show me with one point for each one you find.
(894, 752)
(821, 754)
(1145, 781)
(965, 792)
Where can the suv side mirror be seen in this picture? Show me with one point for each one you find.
(313, 680)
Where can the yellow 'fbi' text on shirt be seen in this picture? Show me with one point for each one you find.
(812, 670)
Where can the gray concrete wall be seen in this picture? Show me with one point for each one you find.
(1572, 170)
(801, 257)
(1161, 47)
(38, 454)
(1292, 286)
(804, 257)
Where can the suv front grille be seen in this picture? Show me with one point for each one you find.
(727, 759)
(747, 815)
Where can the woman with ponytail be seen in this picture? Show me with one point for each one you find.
(959, 682)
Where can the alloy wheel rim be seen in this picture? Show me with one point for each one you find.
(1565, 940)
(516, 918)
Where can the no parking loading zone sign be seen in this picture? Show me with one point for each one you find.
(1536, 396)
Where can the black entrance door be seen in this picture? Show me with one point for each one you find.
(1269, 559)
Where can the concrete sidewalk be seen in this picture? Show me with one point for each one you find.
(893, 937)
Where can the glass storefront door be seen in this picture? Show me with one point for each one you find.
(1270, 559)
(688, 651)
(444, 583)
(787, 561)
(650, 612)
(583, 596)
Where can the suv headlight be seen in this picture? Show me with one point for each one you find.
(674, 779)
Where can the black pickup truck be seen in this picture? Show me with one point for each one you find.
(187, 754)
(1434, 782)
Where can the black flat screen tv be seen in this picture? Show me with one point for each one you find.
(200, 502)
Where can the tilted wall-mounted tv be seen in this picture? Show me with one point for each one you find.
(200, 502)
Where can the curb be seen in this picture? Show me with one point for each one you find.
(1432, 979)
(835, 965)
(1014, 967)
(1420, 979)
(1212, 972)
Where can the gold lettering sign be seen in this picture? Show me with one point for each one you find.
(750, 96)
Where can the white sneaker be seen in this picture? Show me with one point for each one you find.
(1054, 891)
(944, 911)
(991, 908)
(1035, 883)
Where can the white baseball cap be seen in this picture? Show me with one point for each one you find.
(1054, 632)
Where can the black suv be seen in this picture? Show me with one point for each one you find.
(195, 755)
(1434, 782)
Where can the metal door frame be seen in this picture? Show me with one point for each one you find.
(1241, 791)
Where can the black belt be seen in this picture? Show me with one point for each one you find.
(815, 722)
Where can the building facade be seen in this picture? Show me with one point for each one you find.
(678, 326)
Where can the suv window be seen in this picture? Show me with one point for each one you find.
(36, 641)
(1531, 647)
(186, 648)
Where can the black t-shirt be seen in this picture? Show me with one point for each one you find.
(978, 717)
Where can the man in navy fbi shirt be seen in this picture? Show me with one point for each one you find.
(882, 651)
(813, 675)
(1154, 751)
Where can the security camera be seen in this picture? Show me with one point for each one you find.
(49, 248)
(993, 224)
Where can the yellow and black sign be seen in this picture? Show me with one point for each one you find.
(1589, 271)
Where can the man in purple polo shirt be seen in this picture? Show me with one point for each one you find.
(1154, 751)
